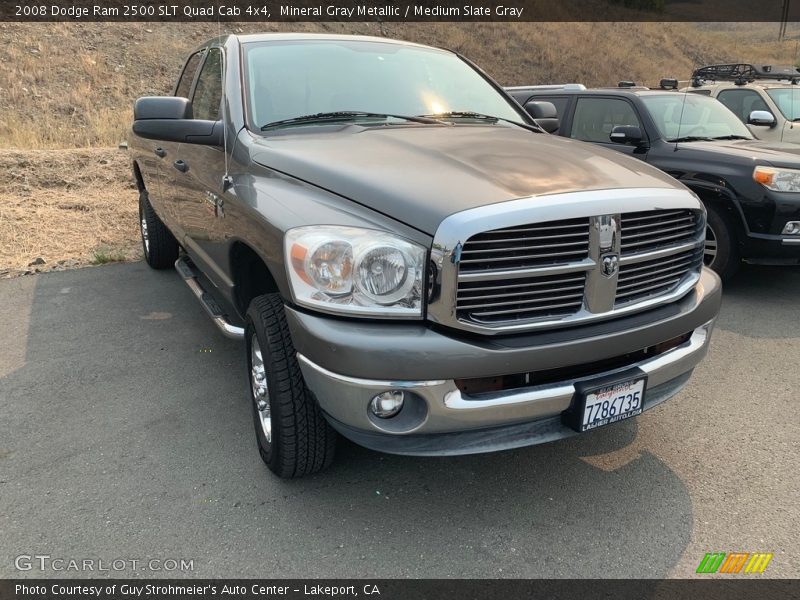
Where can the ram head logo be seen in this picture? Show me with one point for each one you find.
(610, 265)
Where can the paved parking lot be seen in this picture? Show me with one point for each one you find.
(126, 434)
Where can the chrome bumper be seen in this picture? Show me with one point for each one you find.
(532, 414)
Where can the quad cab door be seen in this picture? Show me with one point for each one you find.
(163, 153)
(197, 173)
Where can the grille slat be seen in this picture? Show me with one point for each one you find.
(524, 257)
(524, 248)
(519, 294)
(506, 275)
(525, 301)
(529, 238)
(686, 219)
(539, 309)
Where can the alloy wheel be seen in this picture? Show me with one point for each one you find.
(258, 383)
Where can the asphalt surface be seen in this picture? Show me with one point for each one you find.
(125, 433)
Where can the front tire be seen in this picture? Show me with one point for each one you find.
(159, 245)
(721, 249)
(293, 437)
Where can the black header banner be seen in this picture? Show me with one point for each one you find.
(400, 10)
(712, 588)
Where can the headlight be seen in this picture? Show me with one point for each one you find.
(347, 270)
(779, 180)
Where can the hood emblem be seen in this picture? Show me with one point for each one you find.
(609, 264)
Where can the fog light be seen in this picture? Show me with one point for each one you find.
(387, 404)
(792, 228)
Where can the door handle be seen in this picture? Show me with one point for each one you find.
(160, 152)
(181, 166)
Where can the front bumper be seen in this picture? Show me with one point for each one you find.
(765, 249)
(346, 363)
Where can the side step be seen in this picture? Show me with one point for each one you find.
(185, 270)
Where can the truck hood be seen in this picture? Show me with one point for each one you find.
(778, 154)
(421, 174)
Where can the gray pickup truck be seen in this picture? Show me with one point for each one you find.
(411, 261)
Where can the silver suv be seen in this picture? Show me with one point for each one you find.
(766, 98)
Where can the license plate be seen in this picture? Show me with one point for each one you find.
(606, 403)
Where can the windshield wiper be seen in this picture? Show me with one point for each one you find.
(731, 137)
(691, 138)
(344, 115)
(466, 114)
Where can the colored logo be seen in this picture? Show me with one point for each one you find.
(734, 562)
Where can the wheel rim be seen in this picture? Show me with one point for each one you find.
(711, 247)
(145, 236)
(258, 383)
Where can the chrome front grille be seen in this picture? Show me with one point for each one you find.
(639, 281)
(526, 246)
(650, 230)
(527, 298)
(571, 270)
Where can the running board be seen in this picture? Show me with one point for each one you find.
(213, 309)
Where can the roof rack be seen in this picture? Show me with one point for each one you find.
(743, 73)
(556, 86)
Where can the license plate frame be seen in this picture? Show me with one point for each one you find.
(612, 386)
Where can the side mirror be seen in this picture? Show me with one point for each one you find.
(626, 134)
(544, 114)
(761, 118)
(170, 119)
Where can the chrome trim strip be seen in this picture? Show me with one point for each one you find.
(370, 383)
(459, 227)
(575, 267)
(790, 242)
(660, 253)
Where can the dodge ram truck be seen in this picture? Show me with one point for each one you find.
(410, 260)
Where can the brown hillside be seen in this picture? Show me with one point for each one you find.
(71, 84)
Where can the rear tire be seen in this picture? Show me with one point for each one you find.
(159, 245)
(722, 248)
(293, 437)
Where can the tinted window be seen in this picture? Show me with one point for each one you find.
(742, 102)
(596, 117)
(185, 83)
(290, 79)
(560, 102)
(208, 92)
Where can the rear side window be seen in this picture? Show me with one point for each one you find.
(187, 77)
(208, 91)
(596, 117)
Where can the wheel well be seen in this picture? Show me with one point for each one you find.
(251, 277)
(720, 200)
(137, 175)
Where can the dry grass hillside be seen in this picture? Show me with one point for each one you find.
(66, 85)
(71, 85)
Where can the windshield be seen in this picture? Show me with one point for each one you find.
(689, 115)
(788, 101)
(292, 79)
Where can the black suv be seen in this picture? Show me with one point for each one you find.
(750, 188)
